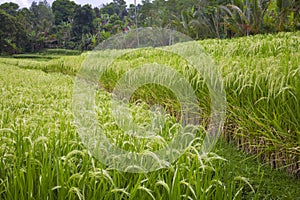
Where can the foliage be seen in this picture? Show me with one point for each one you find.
(10, 8)
(63, 11)
(83, 21)
(13, 35)
(72, 26)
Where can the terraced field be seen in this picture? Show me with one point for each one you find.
(43, 157)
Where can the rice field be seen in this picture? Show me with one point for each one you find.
(262, 78)
(42, 156)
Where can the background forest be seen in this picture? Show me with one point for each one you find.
(64, 24)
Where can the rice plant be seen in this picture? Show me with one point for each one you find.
(42, 156)
(262, 77)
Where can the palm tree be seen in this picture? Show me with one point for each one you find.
(247, 18)
(196, 23)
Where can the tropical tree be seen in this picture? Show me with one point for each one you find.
(12, 34)
(43, 16)
(63, 35)
(246, 17)
(83, 22)
(10, 8)
(43, 20)
(63, 11)
(285, 12)
(117, 7)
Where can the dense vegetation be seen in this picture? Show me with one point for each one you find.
(262, 78)
(42, 157)
(68, 25)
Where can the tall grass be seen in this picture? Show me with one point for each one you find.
(262, 78)
(63, 64)
(262, 83)
(41, 156)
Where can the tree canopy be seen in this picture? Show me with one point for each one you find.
(68, 25)
(63, 11)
